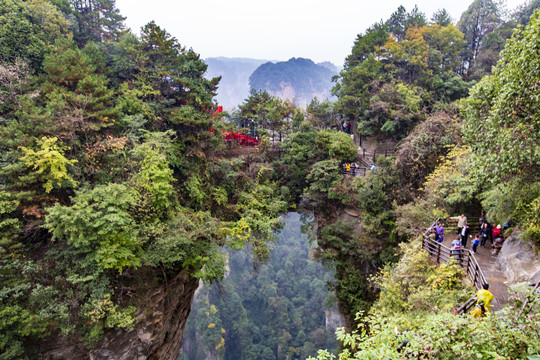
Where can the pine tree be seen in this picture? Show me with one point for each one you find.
(97, 20)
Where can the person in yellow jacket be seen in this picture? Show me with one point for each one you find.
(479, 311)
(485, 296)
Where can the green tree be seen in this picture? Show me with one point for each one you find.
(360, 70)
(441, 17)
(525, 11)
(99, 223)
(389, 81)
(400, 21)
(49, 162)
(75, 102)
(480, 19)
(96, 20)
(503, 109)
(262, 112)
(324, 178)
(323, 115)
(26, 30)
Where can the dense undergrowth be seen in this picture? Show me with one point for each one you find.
(412, 318)
(113, 165)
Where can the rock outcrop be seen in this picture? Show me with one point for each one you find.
(298, 80)
(163, 306)
(234, 85)
(519, 260)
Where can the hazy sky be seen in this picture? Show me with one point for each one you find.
(277, 29)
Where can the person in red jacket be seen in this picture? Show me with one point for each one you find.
(496, 231)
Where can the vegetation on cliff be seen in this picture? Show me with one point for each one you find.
(113, 166)
(109, 169)
(492, 164)
(412, 318)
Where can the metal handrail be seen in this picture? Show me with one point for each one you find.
(465, 258)
(359, 171)
(467, 305)
(376, 153)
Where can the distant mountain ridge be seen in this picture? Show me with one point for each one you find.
(329, 66)
(234, 85)
(298, 80)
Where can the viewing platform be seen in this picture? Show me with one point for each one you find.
(480, 267)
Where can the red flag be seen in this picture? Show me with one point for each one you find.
(219, 109)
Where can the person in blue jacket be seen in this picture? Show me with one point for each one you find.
(475, 243)
(440, 231)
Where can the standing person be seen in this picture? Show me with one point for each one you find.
(440, 231)
(496, 232)
(461, 222)
(490, 231)
(435, 237)
(465, 233)
(475, 243)
(348, 168)
(456, 249)
(486, 296)
(484, 234)
(483, 218)
(353, 168)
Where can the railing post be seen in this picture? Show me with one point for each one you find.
(467, 261)
(475, 274)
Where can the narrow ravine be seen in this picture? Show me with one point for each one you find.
(281, 309)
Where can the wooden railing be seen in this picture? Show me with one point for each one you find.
(360, 171)
(463, 257)
(466, 259)
(450, 225)
(467, 305)
(376, 153)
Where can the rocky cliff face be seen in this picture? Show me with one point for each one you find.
(164, 308)
(519, 260)
(235, 72)
(362, 266)
(298, 80)
(287, 91)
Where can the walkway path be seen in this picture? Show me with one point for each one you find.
(488, 263)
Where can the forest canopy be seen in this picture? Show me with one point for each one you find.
(120, 173)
